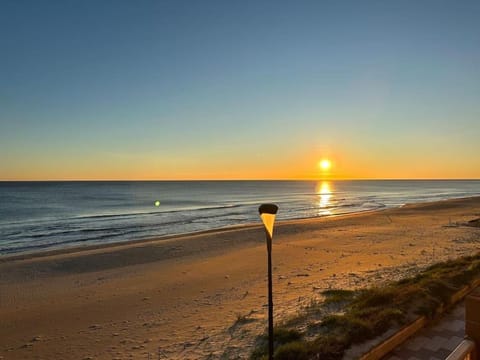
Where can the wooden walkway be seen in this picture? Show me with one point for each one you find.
(435, 342)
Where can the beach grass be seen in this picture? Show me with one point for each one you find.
(362, 315)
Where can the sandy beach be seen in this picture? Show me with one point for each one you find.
(181, 297)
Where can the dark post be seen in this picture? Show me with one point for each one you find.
(267, 213)
(270, 298)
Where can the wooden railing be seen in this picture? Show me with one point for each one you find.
(464, 351)
(469, 349)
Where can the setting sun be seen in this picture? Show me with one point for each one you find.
(325, 164)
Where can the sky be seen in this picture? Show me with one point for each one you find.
(177, 90)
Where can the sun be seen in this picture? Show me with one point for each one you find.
(325, 164)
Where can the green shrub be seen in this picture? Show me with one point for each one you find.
(329, 347)
(386, 318)
(350, 326)
(292, 351)
(281, 336)
(375, 297)
(338, 296)
(440, 290)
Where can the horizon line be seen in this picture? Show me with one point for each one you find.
(205, 180)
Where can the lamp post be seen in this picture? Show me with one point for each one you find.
(267, 214)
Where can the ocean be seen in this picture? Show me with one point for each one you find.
(37, 216)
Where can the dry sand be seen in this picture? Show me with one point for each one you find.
(181, 297)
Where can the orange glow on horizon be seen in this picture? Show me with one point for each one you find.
(292, 164)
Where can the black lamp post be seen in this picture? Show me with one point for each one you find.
(267, 214)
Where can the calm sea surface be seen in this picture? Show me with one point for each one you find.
(35, 216)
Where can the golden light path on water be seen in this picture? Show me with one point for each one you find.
(324, 192)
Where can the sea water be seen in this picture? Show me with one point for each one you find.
(36, 216)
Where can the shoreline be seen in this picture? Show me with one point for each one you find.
(183, 296)
(128, 243)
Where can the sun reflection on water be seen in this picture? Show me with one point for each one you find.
(324, 192)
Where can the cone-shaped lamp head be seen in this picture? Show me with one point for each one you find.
(267, 213)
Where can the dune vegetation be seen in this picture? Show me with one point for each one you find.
(327, 329)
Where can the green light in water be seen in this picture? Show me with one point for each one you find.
(157, 203)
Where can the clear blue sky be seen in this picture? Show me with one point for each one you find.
(239, 89)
